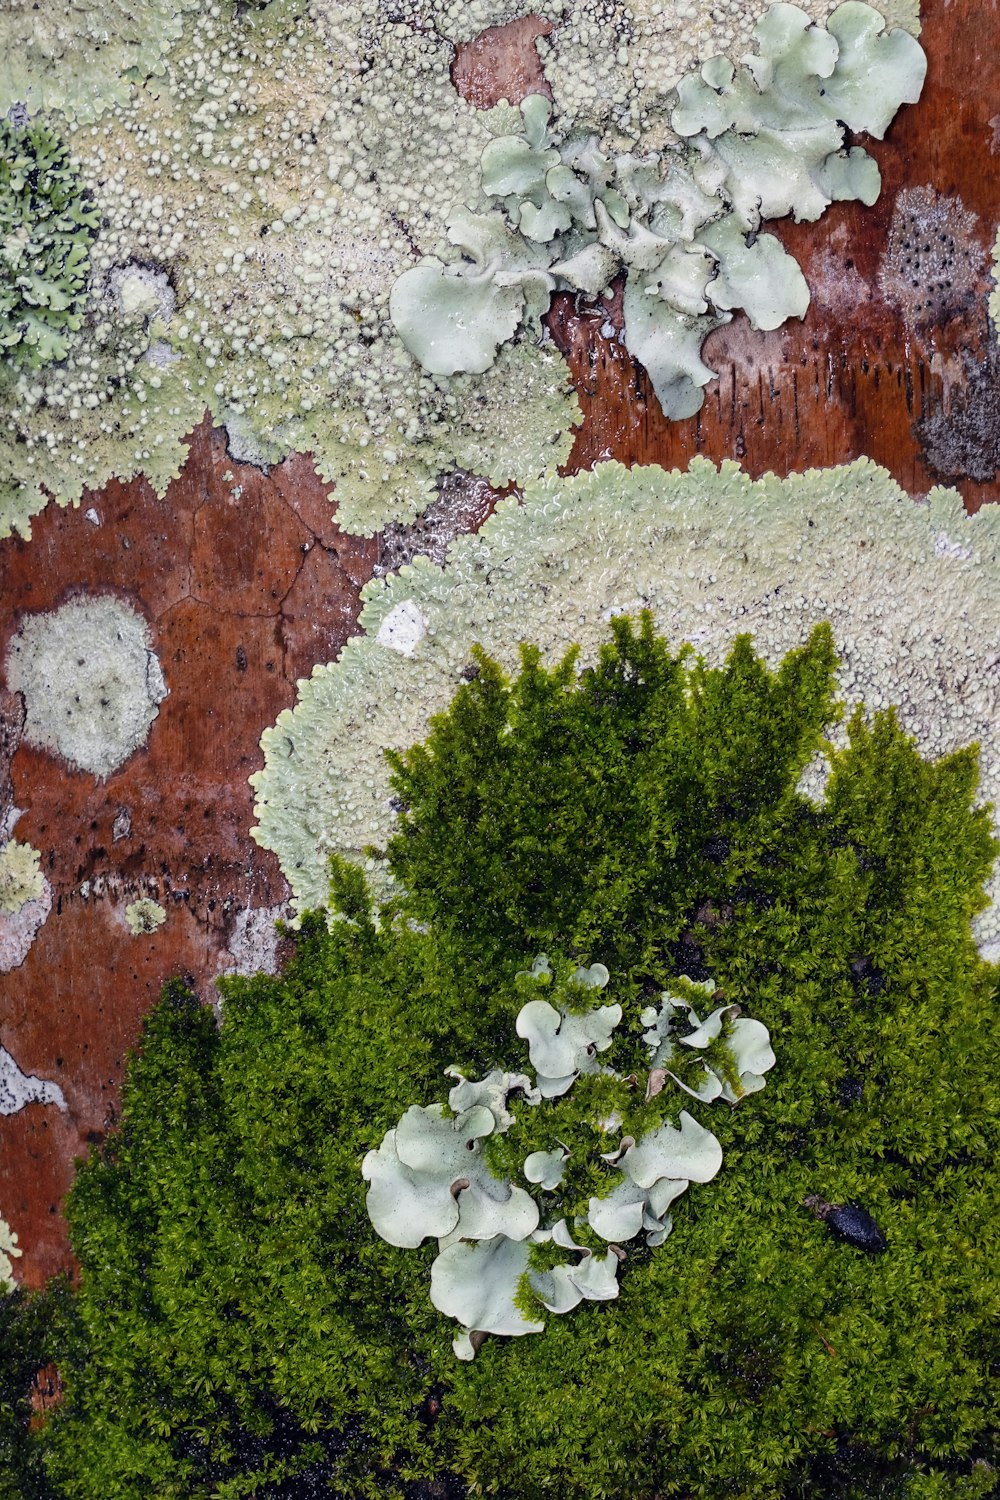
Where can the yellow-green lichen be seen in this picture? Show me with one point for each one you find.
(9, 1251)
(21, 879)
(144, 916)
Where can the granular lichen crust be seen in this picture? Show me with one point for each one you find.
(280, 170)
(81, 56)
(91, 681)
(910, 591)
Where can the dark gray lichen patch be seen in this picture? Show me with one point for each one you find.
(934, 266)
(961, 434)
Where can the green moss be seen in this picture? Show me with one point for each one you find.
(47, 223)
(244, 1321)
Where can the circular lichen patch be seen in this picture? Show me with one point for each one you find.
(91, 681)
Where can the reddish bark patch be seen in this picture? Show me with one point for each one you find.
(246, 582)
(502, 63)
(70, 1014)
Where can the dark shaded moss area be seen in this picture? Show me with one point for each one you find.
(246, 1333)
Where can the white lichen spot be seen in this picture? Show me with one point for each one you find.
(91, 681)
(9, 1252)
(19, 929)
(144, 916)
(253, 946)
(403, 628)
(138, 292)
(18, 1089)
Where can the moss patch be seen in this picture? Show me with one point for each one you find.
(244, 1321)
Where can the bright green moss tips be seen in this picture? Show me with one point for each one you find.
(629, 837)
(47, 223)
(713, 554)
(756, 142)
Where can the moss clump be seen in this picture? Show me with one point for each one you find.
(47, 223)
(244, 1322)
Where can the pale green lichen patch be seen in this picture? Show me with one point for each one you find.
(285, 165)
(21, 879)
(755, 142)
(82, 55)
(995, 294)
(278, 198)
(144, 916)
(91, 681)
(911, 592)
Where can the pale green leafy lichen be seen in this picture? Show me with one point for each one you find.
(746, 1041)
(430, 1176)
(21, 878)
(80, 56)
(914, 613)
(283, 166)
(144, 916)
(757, 142)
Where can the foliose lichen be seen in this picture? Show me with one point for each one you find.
(431, 1176)
(81, 56)
(144, 916)
(284, 165)
(755, 142)
(47, 223)
(21, 880)
(909, 589)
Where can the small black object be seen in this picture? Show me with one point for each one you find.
(850, 1222)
